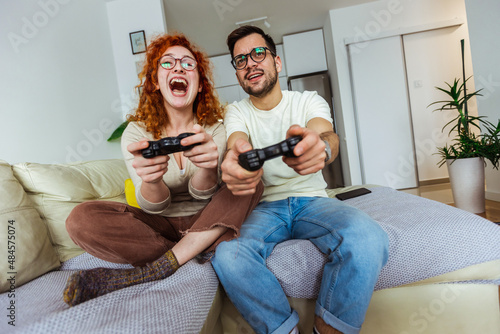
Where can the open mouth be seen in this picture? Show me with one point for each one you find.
(254, 75)
(178, 86)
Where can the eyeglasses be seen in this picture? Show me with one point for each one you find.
(169, 62)
(258, 55)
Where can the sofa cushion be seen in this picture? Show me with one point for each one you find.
(27, 252)
(57, 188)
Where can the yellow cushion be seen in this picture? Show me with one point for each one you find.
(130, 193)
(56, 189)
(26, 248)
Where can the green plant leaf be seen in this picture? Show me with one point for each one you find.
(118, 132)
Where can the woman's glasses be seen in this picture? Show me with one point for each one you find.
(169, 62)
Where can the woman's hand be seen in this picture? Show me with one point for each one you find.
(205, 155)
(149, 170)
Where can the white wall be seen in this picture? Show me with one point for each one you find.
(484, 29)
(58, 85)
(126, 16)
(364, 22)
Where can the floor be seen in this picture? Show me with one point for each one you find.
(442, 193)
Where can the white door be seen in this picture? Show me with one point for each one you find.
(432, 58)
(382, 114)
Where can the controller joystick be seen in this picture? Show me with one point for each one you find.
(254, 159)
(167, 145)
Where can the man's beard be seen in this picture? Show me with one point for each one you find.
(270, 81)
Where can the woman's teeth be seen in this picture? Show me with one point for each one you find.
(178, 84)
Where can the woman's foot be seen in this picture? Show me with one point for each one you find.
(88, 284)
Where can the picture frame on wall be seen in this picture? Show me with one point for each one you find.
(138, 42)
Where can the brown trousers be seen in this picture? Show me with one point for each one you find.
(121, 233)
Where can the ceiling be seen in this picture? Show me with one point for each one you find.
(208, 22)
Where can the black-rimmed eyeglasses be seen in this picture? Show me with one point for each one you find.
(258, 55)
(169, 62)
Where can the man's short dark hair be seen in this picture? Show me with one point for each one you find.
(245, 31)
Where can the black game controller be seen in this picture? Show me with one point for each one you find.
(166, 146)
(254, 159)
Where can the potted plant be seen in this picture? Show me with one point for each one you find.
(466, 156)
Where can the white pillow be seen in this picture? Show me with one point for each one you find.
(26, 249)
(57, 188)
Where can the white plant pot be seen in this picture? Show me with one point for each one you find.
(467, 183)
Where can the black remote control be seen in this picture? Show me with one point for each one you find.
(254, 159)
(352, 193)
(166, 146)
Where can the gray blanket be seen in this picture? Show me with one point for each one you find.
(427, 239)
(178, 304)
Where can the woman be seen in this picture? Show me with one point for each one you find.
(182, 213)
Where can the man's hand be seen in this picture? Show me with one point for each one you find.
(310, 151)
(239, 180)
(149, 170)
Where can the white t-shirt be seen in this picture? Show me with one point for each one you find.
(269, 127)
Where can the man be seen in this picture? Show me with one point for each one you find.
(294, 204)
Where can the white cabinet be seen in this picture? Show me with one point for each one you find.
(229, 94)
(281, 54)
(224, 73)
(305, 53)
(283, 83)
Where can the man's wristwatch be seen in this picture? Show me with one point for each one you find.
(328, 150)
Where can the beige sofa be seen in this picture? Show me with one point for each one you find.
(443, 273)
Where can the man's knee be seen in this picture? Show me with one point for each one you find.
(379, 242)
(225, 254)
(372, 243)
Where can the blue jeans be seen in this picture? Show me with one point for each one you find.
(356, 247)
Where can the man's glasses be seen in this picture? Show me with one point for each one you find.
(169, 62)
(258, 55)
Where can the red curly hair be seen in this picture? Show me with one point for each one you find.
(151, 110)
